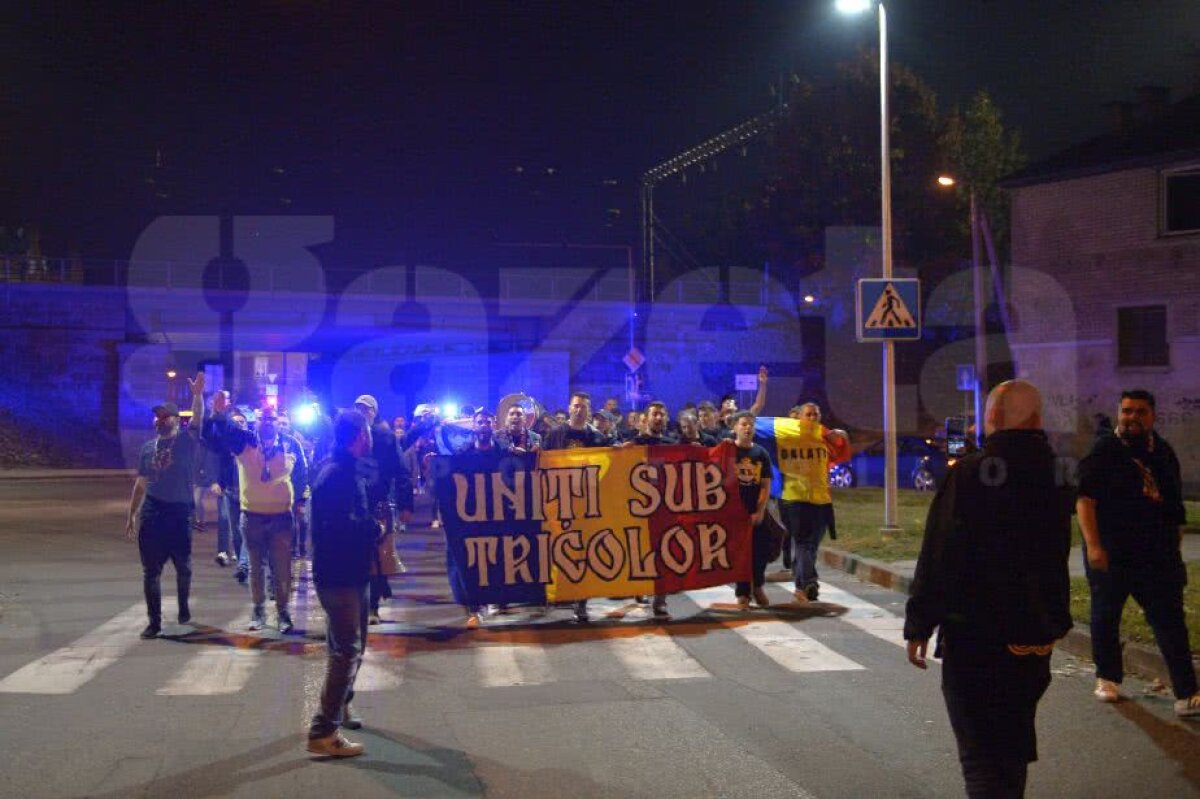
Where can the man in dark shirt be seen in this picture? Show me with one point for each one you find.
(656, 427)
(344, 532)
(690, 432)
(389, 488)
(754, 472)
(992, 578)
(574, 434)
(160, 508)
(1130, 508)
(516, 435)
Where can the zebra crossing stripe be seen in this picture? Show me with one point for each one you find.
(867, 617)
(792, 649)
(653, 656)
(214, 671)
(505, 665)
(65, 670)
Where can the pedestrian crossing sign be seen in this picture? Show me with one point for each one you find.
(889, 309)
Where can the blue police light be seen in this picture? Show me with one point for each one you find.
(448, 408)
(306, 414)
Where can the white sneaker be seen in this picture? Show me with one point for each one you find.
(1187, 708)
(435, 524)
(222, 559)
(335, 745)
(1108, 691)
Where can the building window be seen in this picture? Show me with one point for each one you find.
(1142, 336)
(1181, 200)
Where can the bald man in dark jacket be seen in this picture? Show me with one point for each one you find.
(992, 578)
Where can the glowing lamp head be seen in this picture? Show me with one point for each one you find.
(852, 6)
(946, 180)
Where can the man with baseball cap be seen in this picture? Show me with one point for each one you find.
(160, 508)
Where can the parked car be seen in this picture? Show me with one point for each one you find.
(920, 464)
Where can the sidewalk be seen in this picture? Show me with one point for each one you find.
(67, 474)
(898, 576)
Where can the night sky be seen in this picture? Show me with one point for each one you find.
(431, 130)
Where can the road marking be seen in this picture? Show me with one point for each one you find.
(502, 665)
(653, 656)
(65, 670)
(792, 649)
(378, 672)
(214, 671)
(867, 617)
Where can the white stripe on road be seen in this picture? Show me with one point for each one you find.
(379, 672)
(867, 617)
(214, 671)
(792, 649)
(65, 670)
(653, 656)
(502, 665)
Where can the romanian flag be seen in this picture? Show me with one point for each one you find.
(802, 457)
(593, 523)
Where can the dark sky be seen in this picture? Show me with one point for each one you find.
(424, 126)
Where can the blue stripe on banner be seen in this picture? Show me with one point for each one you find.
(764, 436)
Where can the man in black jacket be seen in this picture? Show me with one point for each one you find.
(992, 576)
(344, 535)
(389, 489)
(1130, 509)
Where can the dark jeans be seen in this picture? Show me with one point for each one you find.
(1159, 590)
(991, 697)
(164, 533)
(268, 537)
(761, 548)
(346, 640)
(807, 524)
(229, 525)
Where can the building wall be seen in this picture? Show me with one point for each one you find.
(1083, 248)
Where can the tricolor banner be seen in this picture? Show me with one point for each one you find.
(580, 523)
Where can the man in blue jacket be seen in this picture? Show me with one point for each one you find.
(344, 533)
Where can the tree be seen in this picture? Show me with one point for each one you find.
(824, 167)
(981, 152)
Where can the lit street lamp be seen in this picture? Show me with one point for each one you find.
(891, 511)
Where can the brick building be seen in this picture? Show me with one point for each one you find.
(1106, 273)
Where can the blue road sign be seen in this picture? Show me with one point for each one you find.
(889, 309)
(965, 373)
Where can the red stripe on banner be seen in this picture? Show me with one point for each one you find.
(700, 530)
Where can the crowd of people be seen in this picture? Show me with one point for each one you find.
(991, 578)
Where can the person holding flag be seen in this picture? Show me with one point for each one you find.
(803, 450)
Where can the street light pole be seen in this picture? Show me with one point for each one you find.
(980, 329)
(891, 511)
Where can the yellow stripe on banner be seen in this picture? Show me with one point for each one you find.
(803, 459)
(585, 498)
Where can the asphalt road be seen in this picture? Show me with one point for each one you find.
(804, 702)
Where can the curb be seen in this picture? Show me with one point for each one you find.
(1136, 658)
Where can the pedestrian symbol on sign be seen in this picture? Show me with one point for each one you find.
(890, 311)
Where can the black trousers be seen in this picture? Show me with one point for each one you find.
(761, 542)
(164, 533)
(991, 697)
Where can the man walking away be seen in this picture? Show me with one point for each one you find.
(344, 535)
(992, 577)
